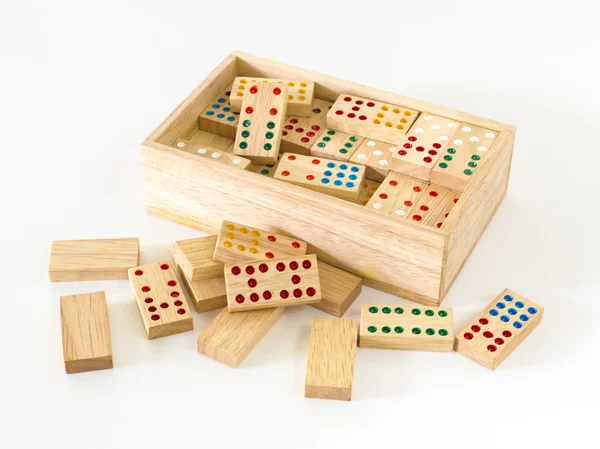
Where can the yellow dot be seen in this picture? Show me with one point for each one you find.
(243, 230)
(253, 250)
(377, 121)
(303, 84)
(254, 242)
(301, 98)
(403, 120)
(301, 91)
(240, 94)
(400, 127)
(255, 233)
(265, 81)
(241, 247)
(384, 108)
(231, 227)
(407, 113)
(243, 81)
(290, 97)
(241, 87)
(254, 81)
(227, 244)
(230, 235)
(388, 124)
(396, 111)
(380, 115)
(291, 84)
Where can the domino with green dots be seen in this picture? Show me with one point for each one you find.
(336, 145)
(416, 328)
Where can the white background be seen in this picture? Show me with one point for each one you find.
(82, 84)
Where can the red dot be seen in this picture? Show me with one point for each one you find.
(347, 98)
(284, 133)
(417, 217)
(424, 208)
(293, 265)
(315, 127)
(488, 334)
(506, 334)
(138, 272)
(316, 161)
(407, 145)
(178, 303)
(145, 289)
(439, 225)
(249, 110)
(294, 121)
(310, 177)
(155, 317)
(280, 266)
(252, 283)
(272, 238)
(475, 328)
(284, 294)
(359, 102)
(339, 112)
(285, 173)
(164, 266)
(402, 153)
(455, 200)
(297, 293)
(355, 108)
(295, 279)
(249, 269)
(408, 203)
(148, 300)
(311, 291)
(277, 91)
(235, 270)
(310, 134)
(175, 294)
(164, 305)
(420, 148)
(432, 152)
(181, 311)
(383, 196)
(306, 264)
(436, 145)
(393, 183)
(254, 297)
(433, 193)
(172, 283)
(291, 157)
(288, 127)
(296, 245)
(491, 348)
(427, 159)
(304, 139)
(412, 139)
(352, 115)
(263, 267)
(370, 104)
(468, 336)
(253, 89)
(273, 111)
(239, 298)
(483, 321)
(417, 188)
(499, 341)
(362, 117)
(269, 255)
(267, 294)
(446, 214)
(151, 309)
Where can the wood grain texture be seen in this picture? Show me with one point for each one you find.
(386, 326)
(331, 354)
(397, 195)
(433, 206)
(238, 242)
(230, 337)
(339, 289)
(368, 190)
(218, 117)
(375, 156)
(161, 299)
(299, 94)
(270, 283)
(85, 332)
(207, 294)
(300, 133)
(340, 179)
(336, 145)
(372, 119)
(205, 151)
(194, 257)
(92, 260)
(499, 329)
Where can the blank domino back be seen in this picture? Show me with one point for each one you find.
(194, 258)
(409, 327)
(272, 283)
(161, 299)
(331, 354)
(499, 329)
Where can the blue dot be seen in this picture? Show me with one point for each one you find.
(349, 185)
(501, 305)
(355, 169)
(231, 118)
(524, 317)
(494, 312)
(532, 310)
(340, 175)
(519, 304)
(353, 177)
(325, 180)
(210, 113)
(221, 100)
(331, 164)
(508, 298)
(227, 109)
(216, 106)
(505, 318)
(327, 173)
(518, 324)
(512, 311)
(337, 182)
(343, 167)
(220, 115)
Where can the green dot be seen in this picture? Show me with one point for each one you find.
(246, 123)
(268, 146)
(472, 164)
(269, 135)
(416, 330)
(386, 329)
(331, 132)
(443, 165)
(326, 139)
(243, 145)
(447, 157)
(386, 310)
(264, 171)
(430, 331)
(353, 138)
(475, 157)
(348, 145)
(321, 144)
(343, 151)
(372, 329)
(245, 133)
(373, 309)
(416, 311)
(271, 125)
(270, 165)
(443, 332)
(468, 172)
(429, 312)
(442, 313)
(451, 150)
(398, 329)
(399, 310)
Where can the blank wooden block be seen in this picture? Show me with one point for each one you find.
(467, 150)
(335, 145)
(369, 118)
(300, 133)
(375, 156)
(85, 332)
(218, 118)
(397, 195)
(194, 257)
(272, 283)
(417, 328)
(207, 152)
(423, 145)
(207, 294)
(299, 93)
(499, 329)
(340, 179)
(433, 206)
(230, 337)
(92, 260)
(331, 354)
(339, 289)
(237, 242)
(261, 122)
(161, 299)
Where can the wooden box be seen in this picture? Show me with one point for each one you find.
(402, 257)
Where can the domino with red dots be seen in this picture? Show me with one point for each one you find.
(369, 118)
(299, 93)
(375, 156)
(218, 117)
(272, 283)
(261, 122)
(499, 329)
(208, 152)
(161, 299)
(300, 133)
(239, 242)
(433, 206)
(465, 153)
(340, 179)
(419, 151)
(335, 145)
(397, 195)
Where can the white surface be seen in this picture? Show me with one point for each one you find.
(81, 86)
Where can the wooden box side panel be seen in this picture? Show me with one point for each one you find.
(202, 193)
(476, 207)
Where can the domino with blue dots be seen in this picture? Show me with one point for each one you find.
(218, 117)
(502, 326)
(340, 179)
